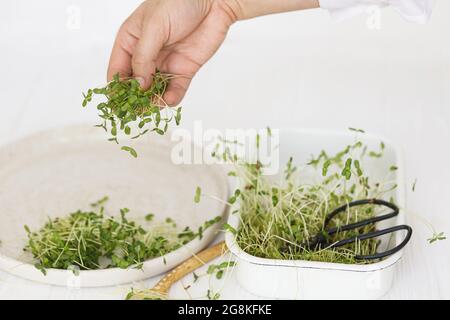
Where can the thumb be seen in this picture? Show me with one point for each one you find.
(143, 62)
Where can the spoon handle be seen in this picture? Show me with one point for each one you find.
(190, 265)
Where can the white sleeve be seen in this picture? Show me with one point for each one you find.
(412, 10)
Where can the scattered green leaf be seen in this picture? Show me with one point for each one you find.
(437, 237)
(130, 150)
(198, 194)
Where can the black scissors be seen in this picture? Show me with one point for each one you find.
(323, 239)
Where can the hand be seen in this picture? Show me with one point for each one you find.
(174, 36)
(179, 36)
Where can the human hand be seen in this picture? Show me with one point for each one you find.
(173, 36)
(179, 36)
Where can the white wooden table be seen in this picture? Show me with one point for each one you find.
(296, 70)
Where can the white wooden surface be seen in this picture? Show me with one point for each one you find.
(298, 69)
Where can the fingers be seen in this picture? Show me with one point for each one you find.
(151, 41)
(176, 90)
(120, 61)
(124, 46)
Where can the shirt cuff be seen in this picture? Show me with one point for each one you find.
(418, 11)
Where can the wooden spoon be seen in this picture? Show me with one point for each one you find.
(161, 289)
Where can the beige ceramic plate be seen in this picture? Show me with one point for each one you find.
(56, 172)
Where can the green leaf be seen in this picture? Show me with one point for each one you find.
(229, 228)
(325, 167)
(347, 171)
(198, 194)
(130, 150)
(227, 264)
(159, 131)
(358, 168)
(437, 237)
(414, 185)
(275, 200)
(178, 116)
(132, 99)
(114, 140)
(212, 268)
(130, 295)
(374, 154)
(357, 130)
(41, 268)
(100, 202)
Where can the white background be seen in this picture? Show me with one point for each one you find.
(292, 70)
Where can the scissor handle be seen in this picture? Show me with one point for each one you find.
(362, 202)
(376, 234)
(357, 225)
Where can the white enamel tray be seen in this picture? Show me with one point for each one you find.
(57, 172)
(284, 279)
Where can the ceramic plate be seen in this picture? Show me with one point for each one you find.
(56, 172)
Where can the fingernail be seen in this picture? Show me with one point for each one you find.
(141, 81)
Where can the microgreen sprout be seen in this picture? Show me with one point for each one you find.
(100, 202)
(413, 188)
(198, 194)
(212, 296)
(134, 111)
(219, 269)
(357, 130)
(195, 277)
(437, 237)
(227, 227)
(130, 150)
(347, 170)
(92, 240)
(325, 167)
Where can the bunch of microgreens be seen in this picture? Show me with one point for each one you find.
(87, 240)
(276, 217)
(132, 110)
